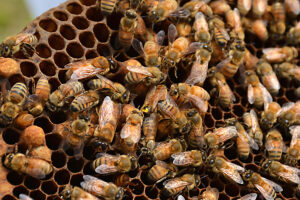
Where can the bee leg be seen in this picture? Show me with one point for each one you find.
(24, 49)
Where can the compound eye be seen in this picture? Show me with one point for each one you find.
(197, 182)
(286, 121)
(211, 161)
(6, 48)
(124, 95)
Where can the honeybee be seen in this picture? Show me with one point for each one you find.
(288, 115)
(250, 60)
(278, 55)
(151, 50)
(227, 169)
(131, 132)
(20, 42)
(155, 94)
(292, 7)
(177, 185)
(201, 28)
(216, 138)
(243, 141)
(266, 187)
(217, 27)
(293, 152)
(251, 196)
(35, 103)
(269, 115)
(89, 68)
(218, 81)
(99, 188)
(257, 93)
(107, 7)
(59, 97)
(289, 71)
(258, 27)
(277, 26)
(293, 35)
(110, 164)
(128, 26)
(184, 29)
(199, 69)
(150, 129)
(210, 194)
(183, 93)
(122, 180)
(274, 144)
(194, 158)
(147, 75)
(23, 120)
(220, 7)
(195, 6)
(85, 101)
(251, 121)
(24, 197)
(233, 19)
(244, 6)
(259, 7)
(169, 108)
(109, 115)
(75, 193)
(18, 94)
(164, 150)
(160, 171)
(34, 167)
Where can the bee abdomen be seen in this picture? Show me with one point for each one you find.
(107, 6)
(18, 93)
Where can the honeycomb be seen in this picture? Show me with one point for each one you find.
(77, 30)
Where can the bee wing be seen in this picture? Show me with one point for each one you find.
(92, 181)
(274, 80)
(107, 81)
(295, 132)
(134, 132)
(285, 107)
(223, 63)
(223, 31)
(160, 93)
(266, 94)
(180, 197)
(253, 116)
(106, 111)
(170, 184)
(293, 6)
(139, 70)
(226, 133)
(98, 155)
(251, 196)
(85, 72)
(78, 64)
(198, 102)
(236, 167)
(106, 169)
(24, 197)
(215, 191)
(172, 33)
(162, 164)
(266, 195)
(252, 142)
(182, 158)
(290, 173)
(232, 173)
(181, 13)
(198, 73)
(37, 173)
(250, 94)
(273, 54)
(138, 46)
(276, 187)
(269, 145)
(160, 36)
(194, 46)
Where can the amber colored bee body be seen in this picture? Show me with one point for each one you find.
(122, 180)
(210, 194)
(233, 19)
(18, 93)
(155, 94)
(253, 128)
(76, 193)
(280, 54)
(257, 27)
(269, 115)
(35, 167)
(150, 129)
(293, 152)
(288, 114)
(107, 7)
(23, 120)
(244, 6)
(162, 10)
(293, 35)
(164, 150)
(289, 71)
(219, 136)
(128, 25)
(196, 135)
(217, 27)
(198, 6)
(194, 158)
(278, 26)
(259, 7)
(20, 42)
(160, 171)
(220, 7)
(85, 101)
(274, 144)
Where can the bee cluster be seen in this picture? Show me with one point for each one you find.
(146, 99)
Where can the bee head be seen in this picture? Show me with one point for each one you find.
(119, 194)
(211, 160)
(247, 174)
(125, 97)
(8, 159)
(131, 14)
(5, 51)
(266, 164)
(66, 192)
(134, 163)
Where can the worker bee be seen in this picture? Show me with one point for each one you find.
(258, 27)
(257, 93)
(164, 150)
(259, 7)
(250, 60)
(151, 49)
(288, 115)
(21, 42)
(110, 164)
(244, 141)
(293, 35)
(107, 7)
(233, 19)
(193, 158)
(199, 69)
(210, 194)
(18, 94)
(217, 28)
(24, 197)
(62, 95)
(109, 115)
(179, 184)
(216, 138)
(277, 26)
(155, 94)
(274, 144)
(293, 152)
(131, 132)
(122, 180)
(150, 129)
(184, 29)
(281, 171)
(170, 109)
(278, 55)
(183, 93)
(196, 6)
(218, 81)
(269, 115)
(266, 187)
(220, 7)
(289, 71)
(160, 171)
(244, 6)
(34, 167)
(227, 169)
(292, 7)
(251, 196)
(75, 193)
(89, 68)
(99, 188)
(35, 103)
(85, 101)
(251, 121)
(127, 28)
(201, 28)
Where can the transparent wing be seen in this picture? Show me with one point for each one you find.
(198, 73)
(162, 164)
(181, 13)
(226, 133)
(193, 47)
(224, 32)
(290, 173)
(78, 64)
(160, 36)
(132, 131)
(138, 46)
(251, 196)
(175, 183)
(266, 94)
(236, 167)
(285, 107)
(198, 102)
(24, 197)
(276, 187)
(295, 132)
(172, 33)
(182, 158)
(85, 72)
(223, 63)
(139, 70)
(180, 197)
(106, 110)
(106, 169)
(266, 195)
(250, 94)
(160, 93)
(233, 174)
(254, 119)
(107, 81)
(273, 54)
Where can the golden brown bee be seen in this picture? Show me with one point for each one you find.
(160, 171)
(75, 193)
(289, 71)
(217, 28)
(278, 55)
(89, 68)
(210, 194)
(293, 36)
(253, 128)
(244, 6)
(293, 152)
(277, 26)
(23, 120)
(147, 75)
(151, 49)
(170, 109)
(281, 171)
(183, 93)
(288, 114)
(130, 134)
(122, 180)
(20, 42)
(193, 158)
(35, 103)
(109, 115)
(250, 60)
(150, 129)
(274, 144)
(155, 94)
(216, 138)
(184, 29)
(259, 7)
(35, 167)
(164, 150)
(201, 28)
(257, 93)
(233, 19)
(99, 188)
(85, 101)
(128, 25)
(18, 94)
(258, 27)
(266, 187)
(292, 7)
(136, 4)
(107, 7)
(195, 6)
(218, 81)
(59, 97)
(178, 184)
(220, 7)
(111, 164)
(269, 115)
(251, 196)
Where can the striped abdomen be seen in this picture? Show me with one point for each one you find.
(98, 84)
(125, 38)
(83, 102)
(18, 93)
(43, 89)
(107, 6)
(229, 70)
(103, 161)
(276, 152)
(133, 78)
(71, 88)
